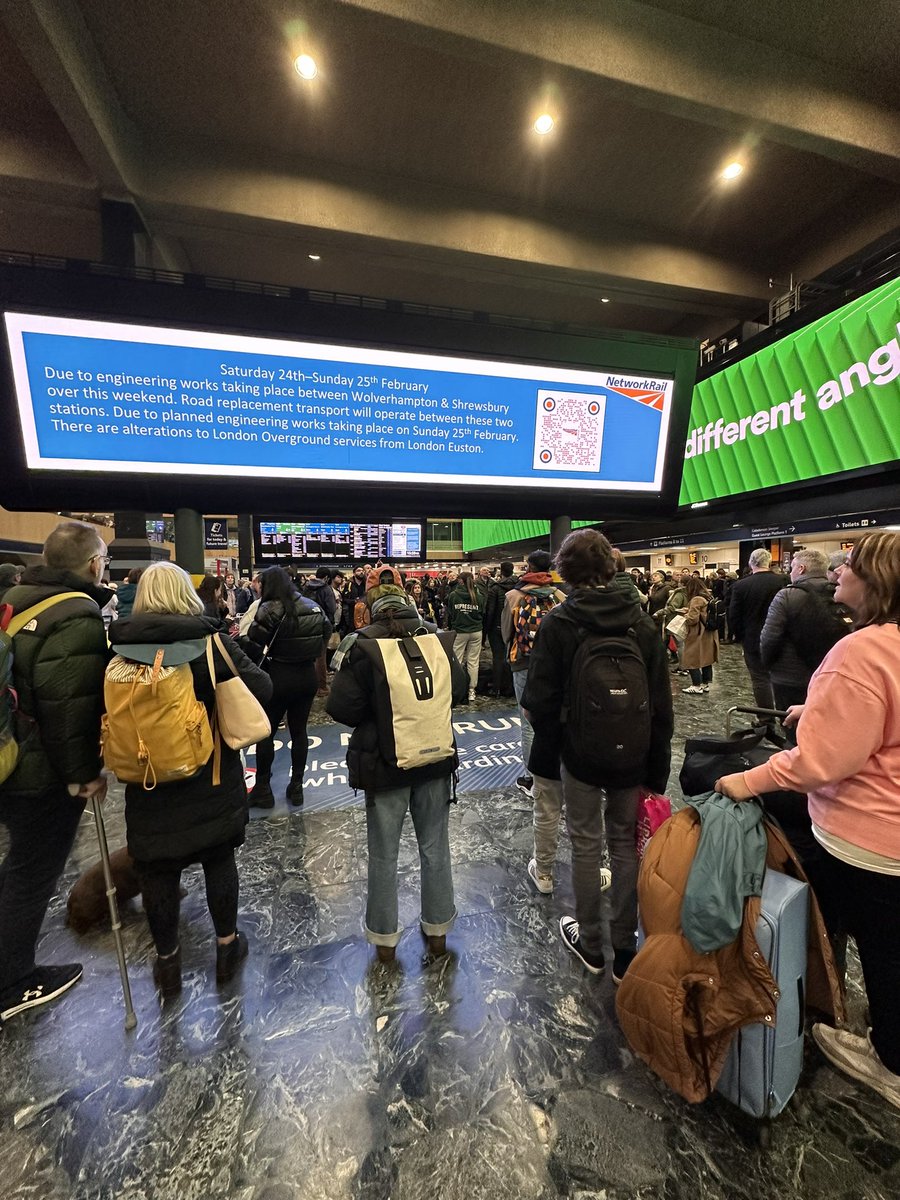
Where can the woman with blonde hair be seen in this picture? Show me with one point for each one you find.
(847, 760)
(465, 617)
(192, 820)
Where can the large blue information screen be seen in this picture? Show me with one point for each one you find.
(102, 396)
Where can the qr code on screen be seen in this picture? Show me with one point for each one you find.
(568, 434)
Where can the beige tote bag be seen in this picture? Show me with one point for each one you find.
(240, 718)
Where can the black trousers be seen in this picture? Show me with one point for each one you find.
(161, 894)
(293, 691)
(869, 904)
(41, 832)
(501, 674)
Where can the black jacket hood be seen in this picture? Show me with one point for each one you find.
(161, 629)
(605, 610)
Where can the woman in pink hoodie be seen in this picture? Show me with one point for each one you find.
(847, 760)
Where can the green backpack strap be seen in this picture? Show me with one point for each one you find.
(21, 619)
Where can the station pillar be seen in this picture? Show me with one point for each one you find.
(560, 528)
(189, 547)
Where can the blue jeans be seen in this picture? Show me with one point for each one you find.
(520, 678)
(429, 804)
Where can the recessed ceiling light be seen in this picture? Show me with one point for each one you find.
(305, 66)
(314, 257)
(544, 123)
(604, 299)
(733, 170)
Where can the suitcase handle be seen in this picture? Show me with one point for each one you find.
(755, 712)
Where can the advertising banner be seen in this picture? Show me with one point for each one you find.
(101, 396)
(823, 400)
(215, 533)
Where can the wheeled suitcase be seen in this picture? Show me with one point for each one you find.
(765, 1060)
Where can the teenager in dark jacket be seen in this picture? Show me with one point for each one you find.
(211, 590)
(493, 613)
(127, 592)
(595, 606)
(194, 820)
(296, 631)
(391, 790)
(58, 676)
(465, 617)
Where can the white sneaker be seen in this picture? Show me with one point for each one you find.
(695, 690)
(605, 879)
(857, 1057)
(471, 695)
(543, 883)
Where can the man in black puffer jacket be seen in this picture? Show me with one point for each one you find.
(355, 700)
(60, 658)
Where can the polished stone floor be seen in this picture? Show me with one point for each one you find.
(496, 1072)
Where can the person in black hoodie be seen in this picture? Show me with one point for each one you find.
(192, 820)
(493, 613)
(296, 631)
(748, 606)
(595, 606)
(390, 790)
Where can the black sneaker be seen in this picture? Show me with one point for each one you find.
(525, 784)
(261, 796)
(295, 792)
(40, 987)
(568, 928)
(622, 960)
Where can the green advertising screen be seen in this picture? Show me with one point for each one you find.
(824, 400)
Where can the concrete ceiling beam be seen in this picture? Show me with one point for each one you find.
(692, 70)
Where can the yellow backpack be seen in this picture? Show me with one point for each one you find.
(155, 730)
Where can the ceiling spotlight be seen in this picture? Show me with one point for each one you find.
(733, 170)
(604, 299)
(305, 66)
(314, 257)
(544, 123)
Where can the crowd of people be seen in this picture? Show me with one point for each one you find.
(584, 644)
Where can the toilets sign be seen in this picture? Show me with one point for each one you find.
(823, 400)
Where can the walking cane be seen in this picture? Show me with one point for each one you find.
(130, 1018)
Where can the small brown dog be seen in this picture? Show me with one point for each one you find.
(88, 904)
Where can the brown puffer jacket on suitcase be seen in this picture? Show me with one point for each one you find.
(680, 1009)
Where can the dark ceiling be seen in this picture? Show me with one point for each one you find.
(410, 166)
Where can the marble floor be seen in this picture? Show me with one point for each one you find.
(498, 1071)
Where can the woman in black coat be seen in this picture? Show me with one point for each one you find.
(194, 820)
(296, 631)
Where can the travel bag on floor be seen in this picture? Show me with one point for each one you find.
(764, 1062)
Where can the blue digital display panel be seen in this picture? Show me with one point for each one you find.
(102, 396)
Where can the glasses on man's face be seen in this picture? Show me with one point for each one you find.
(104, 558)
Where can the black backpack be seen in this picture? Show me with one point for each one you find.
(607, 716)
(714, 622)
(817, 626)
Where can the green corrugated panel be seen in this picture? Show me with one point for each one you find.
(478, 534)
(858, 427)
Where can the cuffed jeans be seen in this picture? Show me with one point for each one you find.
(41, 832)
(429, 804)
(584, 820)
(520, 678)
(467, 648)
(763, 696)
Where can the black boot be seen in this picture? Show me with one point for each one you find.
(230, 956)
(167, 974)
(261, 796)
(295, 792)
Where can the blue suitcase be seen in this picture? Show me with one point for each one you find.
(764, 1063)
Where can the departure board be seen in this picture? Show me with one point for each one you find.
(280, 540)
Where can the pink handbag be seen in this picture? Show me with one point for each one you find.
(653, 811)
